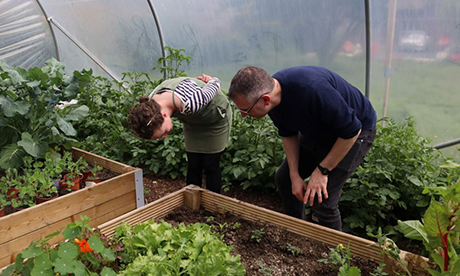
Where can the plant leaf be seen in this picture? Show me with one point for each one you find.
(11, 108)
(11, 156)
(33, 146)
(413, 229)
(80, 269)
(436, 220)
(70, 232)
(96, 244)
(77, 114)
(67, 250)
(107, 272)
(64, 266)
(66, 127)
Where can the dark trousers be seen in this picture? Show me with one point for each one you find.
(327, 213)
(197, 162)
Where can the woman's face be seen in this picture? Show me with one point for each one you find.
(165, 128)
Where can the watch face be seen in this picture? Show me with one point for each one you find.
(323, 170)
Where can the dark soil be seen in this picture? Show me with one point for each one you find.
(279, 252)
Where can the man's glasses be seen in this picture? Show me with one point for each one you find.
(252, 106)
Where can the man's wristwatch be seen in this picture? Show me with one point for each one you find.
(323, 170)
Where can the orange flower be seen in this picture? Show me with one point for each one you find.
(84, 245)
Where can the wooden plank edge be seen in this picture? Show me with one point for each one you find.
(359, 246)
(174, 199)
(92, 158)
(24, 241)
(72, 203)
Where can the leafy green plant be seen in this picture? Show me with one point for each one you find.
(161, 249)
(387, 248)
(31, 120)
(4, 200)
(340, 257)
(257, 234)
(265, 270)
(84, 252)
(439, 230)
(295, 251)
(253, 154)
(389, 183)
(174, 62)
(26, 192)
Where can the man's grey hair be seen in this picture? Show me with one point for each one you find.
(250, 82)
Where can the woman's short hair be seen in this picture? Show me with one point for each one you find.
(145, 117)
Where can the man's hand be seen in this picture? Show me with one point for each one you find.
(317, 186)
(298, 187)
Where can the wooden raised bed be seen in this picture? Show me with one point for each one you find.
(102, 202)
(195, 197)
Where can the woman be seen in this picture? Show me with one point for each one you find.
(206, 117)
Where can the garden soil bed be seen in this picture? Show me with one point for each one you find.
(274, 254)
(278, 251)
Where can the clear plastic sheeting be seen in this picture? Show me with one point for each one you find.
(415, 65)
(414, 45)
(121, 35)
(25, 36)
(223, 36)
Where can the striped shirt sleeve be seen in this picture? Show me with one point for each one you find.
(194, 97)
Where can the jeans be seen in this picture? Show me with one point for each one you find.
(327, 213)
(197, 162)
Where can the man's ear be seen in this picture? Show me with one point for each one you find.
(267, 99)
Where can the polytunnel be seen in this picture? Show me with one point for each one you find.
(404, 55)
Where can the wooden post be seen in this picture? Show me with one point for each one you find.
(192, 197)
(392, 7)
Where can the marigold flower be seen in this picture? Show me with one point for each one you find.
(84, 245)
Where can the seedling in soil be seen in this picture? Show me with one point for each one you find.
(294, 250)
(257, 234)
(265, 270)
(341, 257)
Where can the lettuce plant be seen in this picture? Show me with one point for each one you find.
(161, 249)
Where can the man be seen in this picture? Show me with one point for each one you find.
(327, 127)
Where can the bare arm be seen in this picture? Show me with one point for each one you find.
(292, 147)
(318, 182)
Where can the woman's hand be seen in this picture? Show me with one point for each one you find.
(204, 78)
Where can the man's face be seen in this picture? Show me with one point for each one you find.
(254, 109)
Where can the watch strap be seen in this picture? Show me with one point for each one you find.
(323, 170)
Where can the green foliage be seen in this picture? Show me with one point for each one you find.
(439, 230)
(31, 119)
(340, 257)
(160, 249)
(257, 234)
(253, 154)
(390, 249)
(84, 252)
(294, 250)
(173, 63)
(265, 270)
(389, 183)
